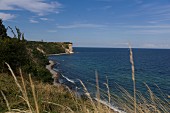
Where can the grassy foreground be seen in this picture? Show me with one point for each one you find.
(21, 95)
(25, 95)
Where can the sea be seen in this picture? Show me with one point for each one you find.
(112, 66)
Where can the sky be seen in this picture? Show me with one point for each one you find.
(91, 23)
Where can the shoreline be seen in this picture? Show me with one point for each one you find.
(60, 54)
(55, 75)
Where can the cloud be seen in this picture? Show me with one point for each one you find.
(33, 21)
(107, 7)
(147, 29)
(36, 6)
(52, 31)
(155, 12)
(156, 45)
(149, 26)
(44, 19)
(153, 32)
(151, 12)
(6, 16)
(100, 8)
(138, 1)
(80, 26)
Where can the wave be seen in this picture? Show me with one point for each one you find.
(55, 69)
(116, 109)
(72, 81)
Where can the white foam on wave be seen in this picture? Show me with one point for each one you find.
(72, 81)
(116, 109)
(55, 69)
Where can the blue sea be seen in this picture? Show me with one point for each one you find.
(152, 66)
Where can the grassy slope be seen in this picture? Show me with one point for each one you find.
(38, 51)
(49, 47)
(48, 97)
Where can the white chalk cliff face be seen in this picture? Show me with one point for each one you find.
(70, 49)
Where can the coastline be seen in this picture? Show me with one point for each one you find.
(49, 67)
(60, 54)
(55, 75)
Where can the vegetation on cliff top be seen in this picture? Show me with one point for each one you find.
(30, 56)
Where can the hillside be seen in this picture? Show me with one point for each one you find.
(30, 56)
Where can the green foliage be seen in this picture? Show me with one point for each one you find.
(13, 52)
(30, 56)
(3, 31)
(20, 35)
(18, 54)
(18, 32)
(12, 32)
(23, 38)
(48, 47)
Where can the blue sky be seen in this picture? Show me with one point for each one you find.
(92, 23)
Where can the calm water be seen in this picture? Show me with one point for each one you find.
(152, 66)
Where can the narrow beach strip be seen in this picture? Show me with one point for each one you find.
(55, 75)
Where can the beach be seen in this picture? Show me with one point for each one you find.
(55, 75)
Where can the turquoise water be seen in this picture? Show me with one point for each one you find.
(152, 66)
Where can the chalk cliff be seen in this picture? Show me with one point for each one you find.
(69, 49)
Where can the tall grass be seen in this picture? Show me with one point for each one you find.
(133, 77)
(37, 97)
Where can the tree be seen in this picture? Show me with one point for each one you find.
(3, 30)
(23, 38)
(12, 32)
(18, 33)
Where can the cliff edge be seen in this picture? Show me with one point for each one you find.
(48, 48)
(69, 49)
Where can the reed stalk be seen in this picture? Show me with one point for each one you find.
(7, 103)
(133, 77)
(34, 95)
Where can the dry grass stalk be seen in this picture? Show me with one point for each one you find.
(7, 103)
(19, 86)
(16, 81)
(34, 95)
(88, 95)
(151, 94)
(25, 91)
(64, 107)
(108, 93)
(108, 90)
(97, 88)
(133, 76)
